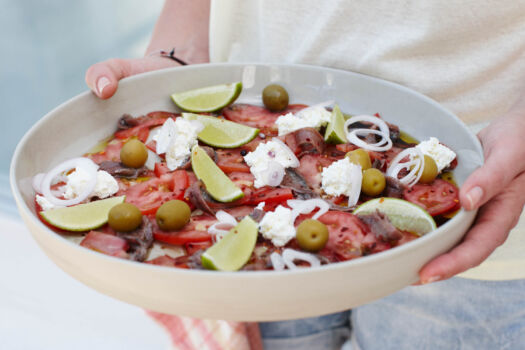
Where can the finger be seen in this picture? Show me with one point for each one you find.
(504, 161)
(103, 77)
(492, 226)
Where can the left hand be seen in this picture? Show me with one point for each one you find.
(497, 189)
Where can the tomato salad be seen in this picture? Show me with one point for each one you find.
(301, 178)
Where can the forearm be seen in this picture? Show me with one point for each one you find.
(183, 25)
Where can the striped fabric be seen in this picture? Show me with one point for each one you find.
(190, 333)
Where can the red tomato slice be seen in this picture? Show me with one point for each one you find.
(111, 152)
(269, 195)
(257, 116)
(194, 231)
(106, 244)
(231, 160)
(168, 261)
(348, 237)
(141, 131)
(149, 195)
(161, 169)
(437, 198)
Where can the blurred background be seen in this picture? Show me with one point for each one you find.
(47, 45)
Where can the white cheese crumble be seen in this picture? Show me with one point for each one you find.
(441, 154)
(277, 226)
(315, 117)
(45, 204)
(343, 178)
(78, 180)
(176, 139)
(264, 158)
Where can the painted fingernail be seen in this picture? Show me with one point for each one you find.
(431, 279)
(474, 196)
(101, 85)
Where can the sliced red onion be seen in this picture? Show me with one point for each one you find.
(307, 206)
(352, 135)
(274, 174)
(37, 182)
(289, 153)
(290, 255)
(225, 224)
(277, 261)
(415, 164)
(85, 163)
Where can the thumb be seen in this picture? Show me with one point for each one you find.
(103, 77)
(503, 162)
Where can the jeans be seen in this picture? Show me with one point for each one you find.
(454, 314)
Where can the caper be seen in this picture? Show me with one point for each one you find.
(275, 97)
(173, 215)
(360, 157)
(373, 182)
(430, 171)
(124, 217)
(133, 154)
(312, 235)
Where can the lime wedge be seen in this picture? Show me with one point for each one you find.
(207, 99)
(234, 250)
(335, 132)
(82, 217)
(222, 133)
(218, 185)
(404, 215)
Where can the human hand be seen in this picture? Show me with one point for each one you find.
(103, 77)
(496, 189)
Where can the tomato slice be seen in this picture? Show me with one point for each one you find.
(111, 152)
(194, 231)
(269, 195)
(106, 244)
(193, 247)
(231, 160)
(311, 167)
(141, 131)
(436, 198)
(257, 116)
(161, 169)
(348, 237)
(166, 260)
(149, 195)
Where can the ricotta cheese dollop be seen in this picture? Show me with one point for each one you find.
(176, 139)
(78, 180)
(277, 226)
(268, 161)
(314, 117)
(343, 178)
(441, 154)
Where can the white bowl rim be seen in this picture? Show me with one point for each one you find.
(369, 259)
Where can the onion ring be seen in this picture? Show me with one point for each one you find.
(415, 165)
(307, 206)
(352, 134)
(277, 261)
(84, 163)
(289, 255)
(37, 182)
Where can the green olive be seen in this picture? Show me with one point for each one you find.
(430, 171)
(312, 235)
(275, 97)
(360, 157)
(124, 217)
(173, 215)
(373, 182)
(133, 154)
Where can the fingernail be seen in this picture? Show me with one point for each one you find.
(431, 279)
(474, 196)
(101, 85)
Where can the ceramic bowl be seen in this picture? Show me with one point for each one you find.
(78, 124)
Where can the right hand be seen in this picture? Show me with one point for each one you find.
(103, 77)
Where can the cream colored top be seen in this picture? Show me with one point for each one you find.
(468, 55)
